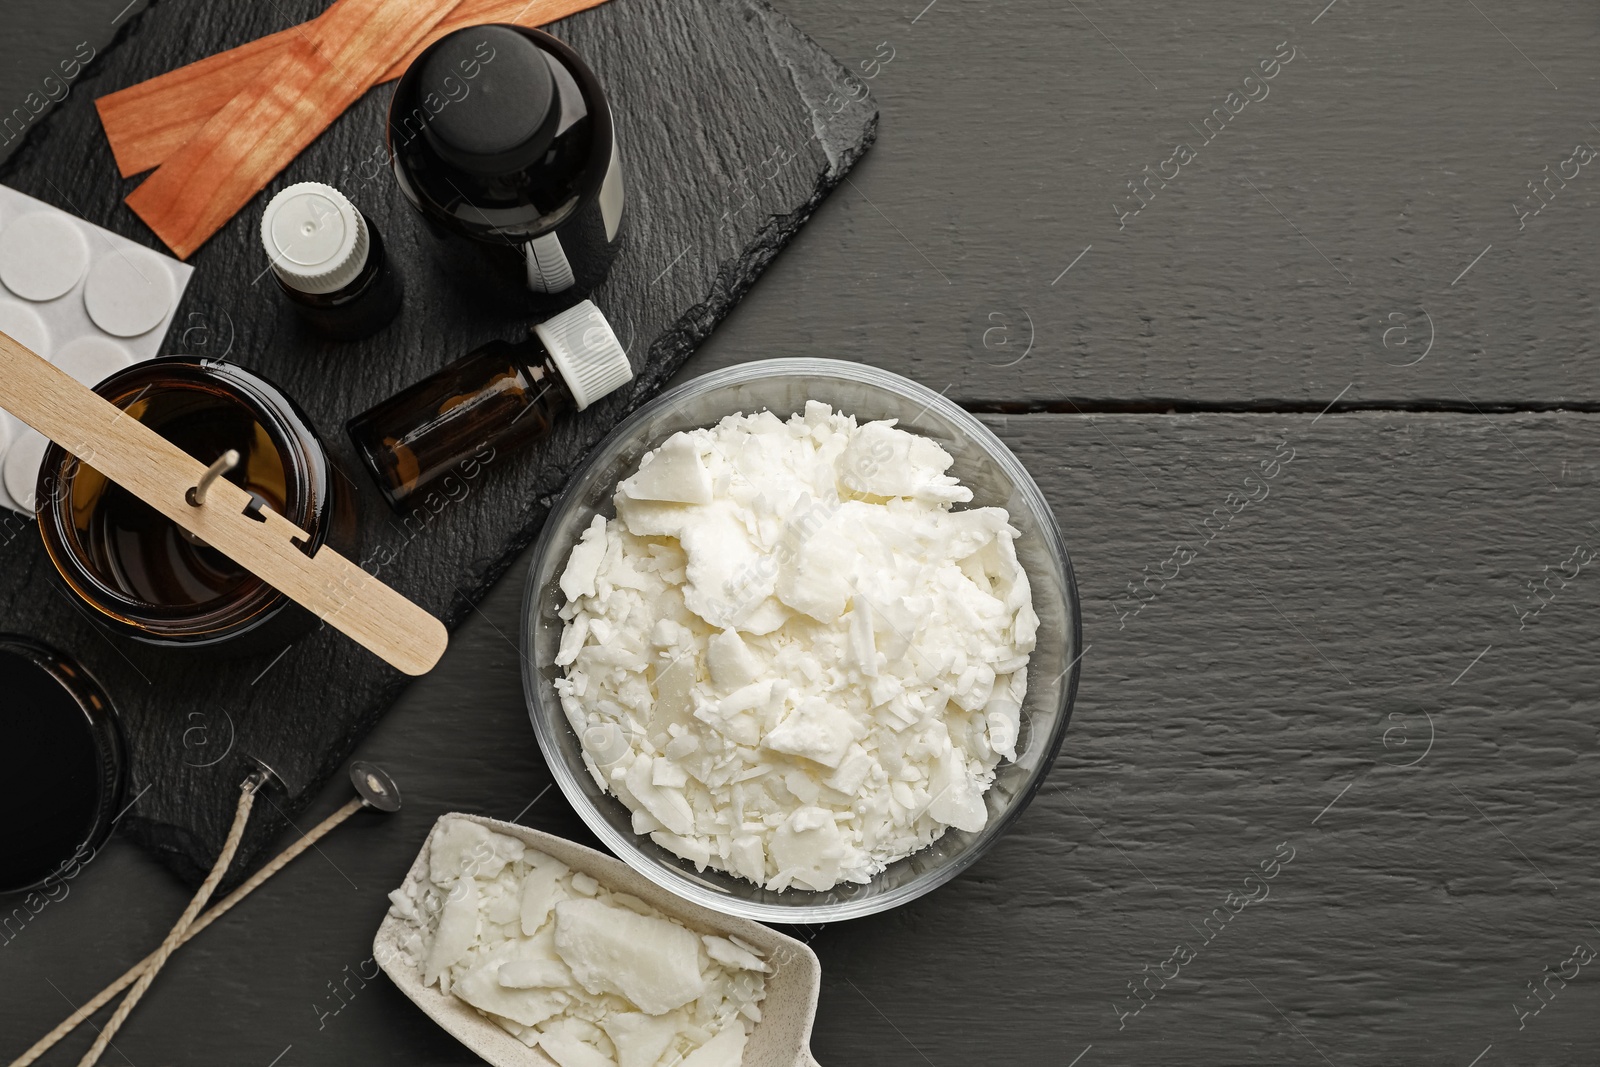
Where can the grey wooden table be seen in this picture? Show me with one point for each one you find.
(1329, 793)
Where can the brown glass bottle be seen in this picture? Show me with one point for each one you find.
(493, 400)
(503, 141)
(329, 262)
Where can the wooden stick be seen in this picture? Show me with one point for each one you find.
(146, 123)
(229, 519)
(317, 75)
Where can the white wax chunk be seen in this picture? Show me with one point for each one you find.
(652, 962)
(724, 1050)
(674, 474)
(458, 929)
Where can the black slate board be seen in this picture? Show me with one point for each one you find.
(705, 93)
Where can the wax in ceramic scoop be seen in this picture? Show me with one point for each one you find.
(461, 942)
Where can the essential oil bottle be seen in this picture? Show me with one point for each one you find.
(503, 141)
(329, 261)
(488, 403)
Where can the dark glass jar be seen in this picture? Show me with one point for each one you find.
(329, 262)
(441, 432)
(502, 139)
(63, 766)
(142, 574)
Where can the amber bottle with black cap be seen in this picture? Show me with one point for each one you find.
(502, 139)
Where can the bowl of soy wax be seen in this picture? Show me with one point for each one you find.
(801, 640)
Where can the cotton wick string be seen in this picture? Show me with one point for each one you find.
(247, 799)
(100, 999)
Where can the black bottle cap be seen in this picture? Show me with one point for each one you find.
(500, 121)
(61, 765)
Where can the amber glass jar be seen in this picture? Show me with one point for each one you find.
(63, 766)
(143, 574)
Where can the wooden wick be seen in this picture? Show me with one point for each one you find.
(196, 496)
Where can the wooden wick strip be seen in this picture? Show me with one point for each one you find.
(230, 519)
(284, 108)
(146, 123)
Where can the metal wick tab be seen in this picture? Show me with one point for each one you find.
(264, 775)
(225, 463)
(374, 786)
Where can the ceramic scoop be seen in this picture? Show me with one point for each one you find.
(223, 515)
(781, 1039)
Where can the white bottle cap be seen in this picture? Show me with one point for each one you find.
(316, 239)
(586, 352)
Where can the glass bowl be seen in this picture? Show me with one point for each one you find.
(982, 463)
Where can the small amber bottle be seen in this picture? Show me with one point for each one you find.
(493, 400)
(329, 262)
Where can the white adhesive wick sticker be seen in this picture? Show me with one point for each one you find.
(42, 256)
(92, 359)
(22, 467)
(22, 324)
(10, 429)
(129, 292)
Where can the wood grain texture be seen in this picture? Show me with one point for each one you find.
(705, 218)
(150, 120)
(338, 592)
(1217, 724)
(1395, 143)
(286, 106)
(1209, 727)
